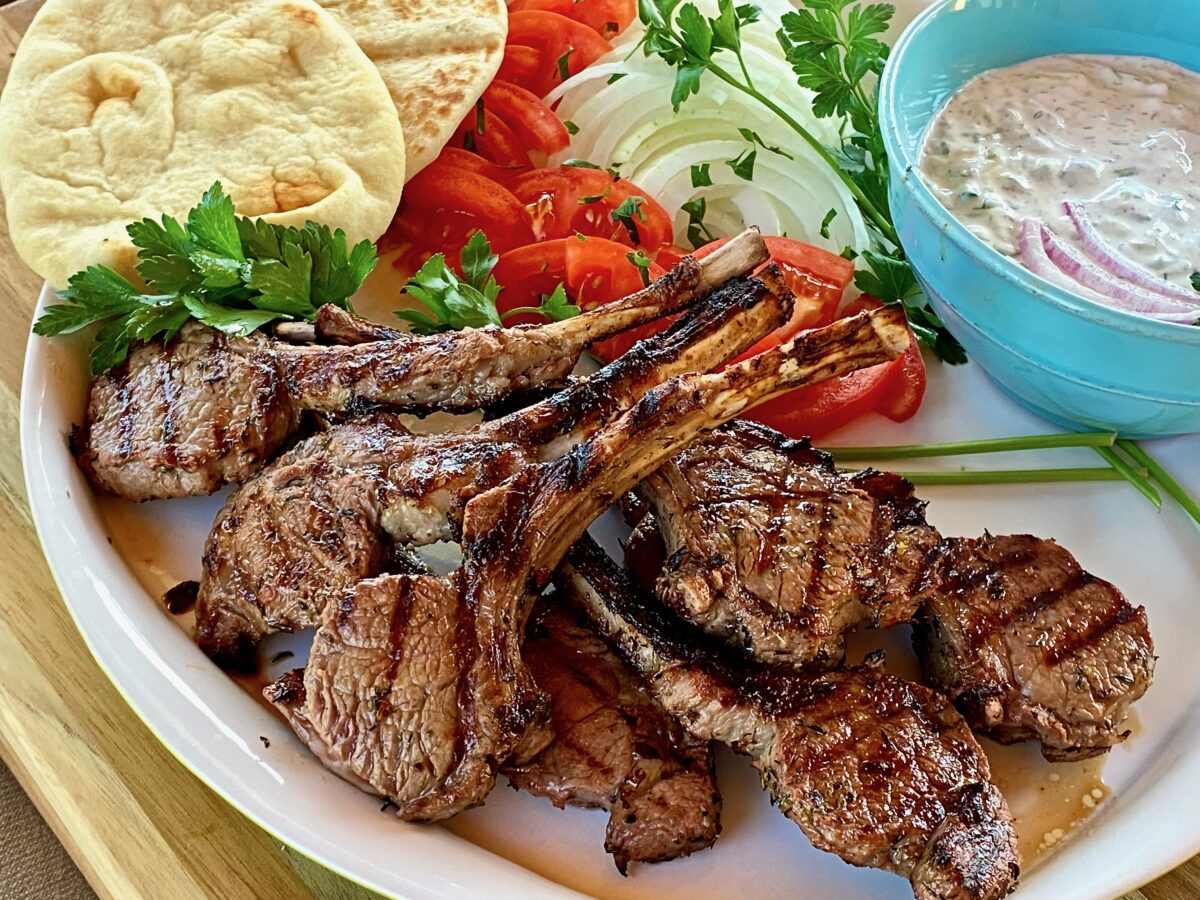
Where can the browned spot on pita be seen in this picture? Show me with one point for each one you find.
(300, 14)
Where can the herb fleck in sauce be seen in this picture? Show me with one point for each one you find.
(1116, 132)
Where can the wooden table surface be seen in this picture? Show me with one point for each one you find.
(134, 820)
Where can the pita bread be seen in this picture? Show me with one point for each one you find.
(118, 110)
(436, 56)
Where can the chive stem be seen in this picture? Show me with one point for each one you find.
(1163, 477)
(1014, 476)
(987, 445)
(1138, 478)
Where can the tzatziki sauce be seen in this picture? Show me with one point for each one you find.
(1115, 135)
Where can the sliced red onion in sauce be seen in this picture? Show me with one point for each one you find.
(1034, 239)
(1108, 257)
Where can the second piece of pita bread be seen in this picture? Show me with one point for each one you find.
(436, 57)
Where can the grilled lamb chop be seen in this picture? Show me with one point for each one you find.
(614, 748)
(325, 514)
(206, 409)
(1029, 645)
(415, 685)
(882, 772)
(768, 547)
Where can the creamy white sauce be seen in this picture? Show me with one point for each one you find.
(1118, 133)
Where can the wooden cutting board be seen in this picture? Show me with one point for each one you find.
(135, 821)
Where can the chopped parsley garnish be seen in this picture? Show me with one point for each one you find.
(452, 302)
(630, 209)
(701, 176)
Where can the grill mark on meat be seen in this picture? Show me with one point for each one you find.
(1072, 643)
(397, 629)
(126, 421)
(958, 582)
(166, 369)
(977, 637)
(817, 550)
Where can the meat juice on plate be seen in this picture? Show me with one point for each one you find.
(1114, 136)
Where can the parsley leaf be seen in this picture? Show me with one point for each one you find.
(595, 198)
(233, 273)
(697, 233)
(701, 176)
(825, 222)
(556, 307)
(564, 71)
(1196, 281)
(571, 127)
(743, 165)
(451, 301)
(629, 209)
(753, 138)
(642, 261)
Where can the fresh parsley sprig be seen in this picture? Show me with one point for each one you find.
(229, 272)
(834, 52)
(452, 302)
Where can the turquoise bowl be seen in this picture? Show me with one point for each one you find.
(1072, 361)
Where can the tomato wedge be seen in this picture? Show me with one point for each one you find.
(444, 204)
(561, 41)
(497, 142)
(530, 119)
(592, 270)
(607, 17)
(568, 200)
(894, 389)
(473, 162)
(521, 65)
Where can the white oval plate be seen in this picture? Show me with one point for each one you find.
(113, 559)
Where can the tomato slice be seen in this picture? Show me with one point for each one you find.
(521, 65)
(568, 200)
(670, 255)
(592, 270)
(444, 204)
(473, 162)
(607, 17)
(497, 142)
(532, 120)
(557, 38)
(894, 389)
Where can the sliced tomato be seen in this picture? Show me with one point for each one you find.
(530, 119)
(894, 389)
(444, 204)
(568, 200)
(522, 65)
(592, 270)
(607, 17)
(497, 142)
(526, 274)
(600, 271)
(563, 43)
(670, 255)
(473, 162)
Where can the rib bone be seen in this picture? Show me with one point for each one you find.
(206, 409)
